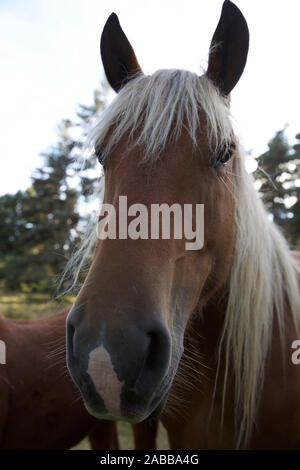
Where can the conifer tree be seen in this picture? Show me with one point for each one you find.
(279, 174)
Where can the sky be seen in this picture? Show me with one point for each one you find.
(50, 62)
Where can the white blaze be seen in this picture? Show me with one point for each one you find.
(104, 377)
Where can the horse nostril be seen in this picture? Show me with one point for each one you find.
(156, 361)
(153, 349)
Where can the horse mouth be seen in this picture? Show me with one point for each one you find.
(134, 409)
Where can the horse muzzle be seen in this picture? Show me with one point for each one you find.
(123, 373)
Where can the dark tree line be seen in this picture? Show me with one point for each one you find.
(37, 226)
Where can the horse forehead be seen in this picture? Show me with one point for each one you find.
(128, 170)
(130, 147)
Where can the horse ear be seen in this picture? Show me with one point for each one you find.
(118, 57)
(229, 49)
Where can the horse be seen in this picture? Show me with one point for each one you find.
(40, 406)
(198, 337)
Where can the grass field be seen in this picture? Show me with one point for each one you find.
(24, 306)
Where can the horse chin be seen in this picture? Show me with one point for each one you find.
(131, 416)
(159, 409)
(133, 409)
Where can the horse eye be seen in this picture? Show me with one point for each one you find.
(224, 156)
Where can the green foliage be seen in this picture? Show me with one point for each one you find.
(51, 212)
(279, 177)
(294, 228)
(12, 223)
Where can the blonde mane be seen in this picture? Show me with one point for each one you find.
(152, 110)
(263, 281)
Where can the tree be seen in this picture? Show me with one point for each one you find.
(37, 232)
(279, 173)
(12, 224)
(294, 191)
(86, 115)
(13, 227)
(51, 212)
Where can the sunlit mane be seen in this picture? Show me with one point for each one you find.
(152, 110)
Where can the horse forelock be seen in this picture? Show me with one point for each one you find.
(152, 110)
